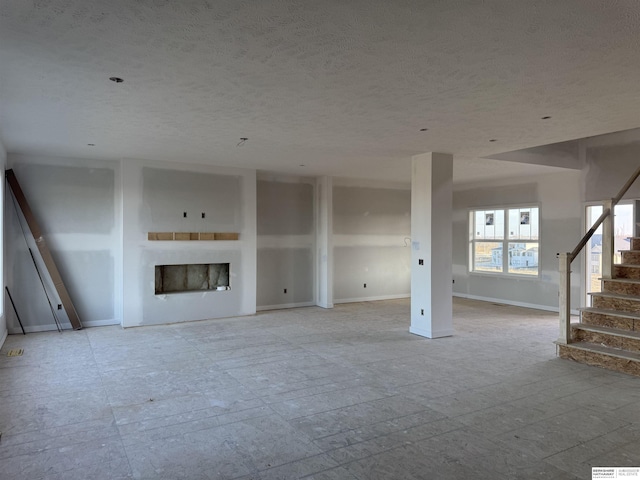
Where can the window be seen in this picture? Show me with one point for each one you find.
(498, 230)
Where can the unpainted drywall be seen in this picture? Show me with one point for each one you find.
(284, 208)
(608, 168)
(371, 239)
(371, 211)
(168, 194)
(154, 199)
(75, 202)
(558, 196)
(285, 276)
(386, 271)
(4, 302)
(67, 199)
(285, 256)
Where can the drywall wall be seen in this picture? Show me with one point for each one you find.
(608, 167)
(558, 196)
(285, 241)
(76, 203)
(4, 303)
(371, 240)
(155, 196)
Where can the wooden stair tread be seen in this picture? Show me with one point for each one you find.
(617, 332)
(601, 349)
(622, 280)
(623, 296)
(613, 313)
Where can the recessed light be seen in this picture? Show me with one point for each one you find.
(493, 140)
(424, 129)
(546, 117)
(116, 79)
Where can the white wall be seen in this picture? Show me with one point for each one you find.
(558, 196)
(371, 240)
(4, 303)
(285, 229)
(76, 203)
(610, 161)
(154, 197)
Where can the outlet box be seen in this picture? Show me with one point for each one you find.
(59, 306)
(420, 261)
(285, 290)
(365, 285)
(422, 311)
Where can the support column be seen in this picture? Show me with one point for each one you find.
(324, 242)
(431, 245)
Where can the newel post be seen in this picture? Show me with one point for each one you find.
(608, 235)
(564, 298)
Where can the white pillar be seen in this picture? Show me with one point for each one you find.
(324, 241)
(431, 249)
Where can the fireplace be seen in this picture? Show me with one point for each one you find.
(200, 277)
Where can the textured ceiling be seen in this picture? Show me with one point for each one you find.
(341, 87)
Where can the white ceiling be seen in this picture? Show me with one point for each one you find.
(341, 87)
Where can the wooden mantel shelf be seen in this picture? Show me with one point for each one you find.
(165, 236)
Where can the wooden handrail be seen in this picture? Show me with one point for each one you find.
(604, 215)
(564, 293)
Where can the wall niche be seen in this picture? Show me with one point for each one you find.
(199, 277)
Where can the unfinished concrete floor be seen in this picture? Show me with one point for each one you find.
(309, 393)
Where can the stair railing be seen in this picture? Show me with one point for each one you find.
(565, 259)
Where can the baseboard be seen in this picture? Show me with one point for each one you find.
(65, 326)
(512, 303)
(101, 323)
(433, 335)
(372, 299)
(284, 306)
(38, 328)
(3, 337)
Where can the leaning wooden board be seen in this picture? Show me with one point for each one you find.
(65, 299)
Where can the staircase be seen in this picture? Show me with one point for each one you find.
(608, 334)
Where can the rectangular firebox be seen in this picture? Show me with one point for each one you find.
(199, 277)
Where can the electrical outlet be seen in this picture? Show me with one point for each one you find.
(420, 261)
(59, 306)
(454, 280)
(285, 290)
(203, 215)
(422, 311)
(365, 285)
(184, 214)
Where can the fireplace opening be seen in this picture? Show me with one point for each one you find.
(192, 278)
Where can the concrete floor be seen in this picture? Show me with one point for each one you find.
(308, 393)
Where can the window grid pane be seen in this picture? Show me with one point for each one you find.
(523, 258)
(487, 256)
